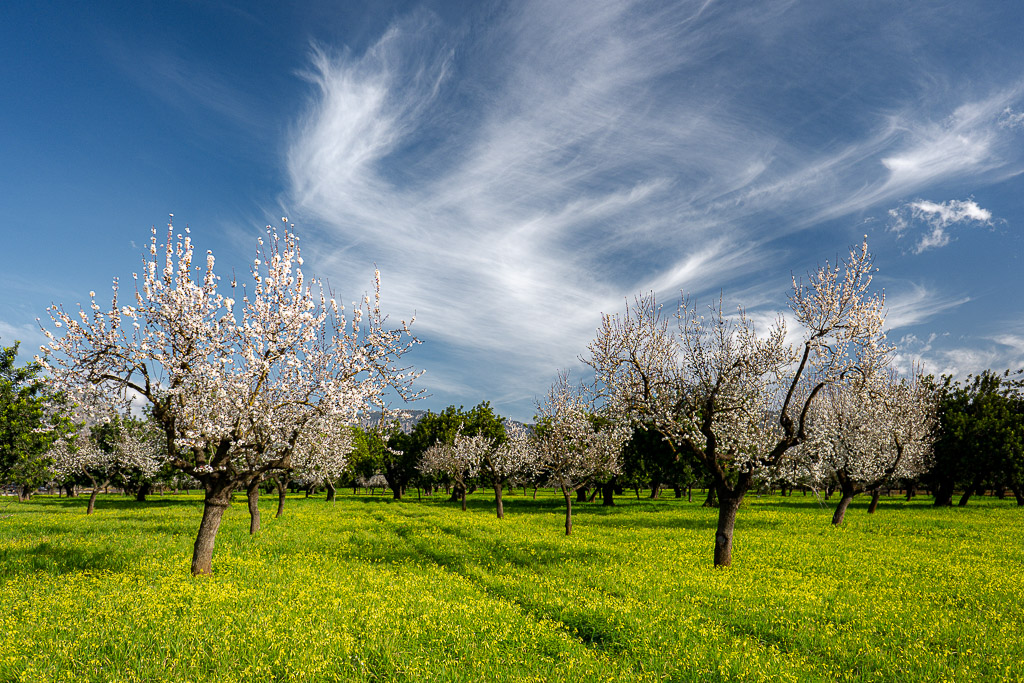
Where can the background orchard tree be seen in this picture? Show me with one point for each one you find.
(100, 453)
(734, 400)
(981, 436)
(505, 461)
(867, 431)
(232, 381)
(443, 426)
(457, 459)
(575, 445)
(31, 421)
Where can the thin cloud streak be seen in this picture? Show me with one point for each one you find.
(579, 178)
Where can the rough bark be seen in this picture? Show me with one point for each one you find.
(24, 494)
(330, 492)
(252, 496)
(215, 502)
(463, 498)
(497, 501)
(92, 500)
(581, 495)
(144, 490)
(729, 505)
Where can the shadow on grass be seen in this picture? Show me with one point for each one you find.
(53, 559)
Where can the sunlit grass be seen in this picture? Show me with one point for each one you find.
(376, 590)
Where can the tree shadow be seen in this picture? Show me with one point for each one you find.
(49, 558)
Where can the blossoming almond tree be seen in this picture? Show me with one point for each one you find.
(867, 430)
(458, 459)
(574, 446)
(734, 400)
(233, 381)
(82, 455)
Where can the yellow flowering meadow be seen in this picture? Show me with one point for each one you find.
(369, 589)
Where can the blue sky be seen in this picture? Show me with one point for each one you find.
(514, 169)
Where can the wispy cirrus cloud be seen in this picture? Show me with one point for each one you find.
(513, 183)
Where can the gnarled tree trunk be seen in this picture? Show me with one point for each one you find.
(215, 502)
(144, 490)
(712, 500)
(330, 492)
(729, 505)
(92, 500)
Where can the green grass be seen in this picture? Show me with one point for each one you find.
(368, 589)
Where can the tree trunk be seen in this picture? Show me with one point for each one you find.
(944, 494)
(69, 490)
(678, 490)
(970, 491)
(24, 494)
(689, 493)
(581, 494)
(216, 501)
(727, 509)
(535, 493)
(144, 490)
(330, 492)
(712, 500)
(463, 498)
(497, 501)
(92, 500)
(568, 511)
(280, 497)
(874, 501)
(1018, 493)
(608, 493)
(252, 496)
(637, 490)
(655, 490)
(844, 502)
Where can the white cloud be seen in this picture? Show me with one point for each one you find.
(1011, 119)
(916, 305)
(512, 196)
(938, 218)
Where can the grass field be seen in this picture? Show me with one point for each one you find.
(375, 590)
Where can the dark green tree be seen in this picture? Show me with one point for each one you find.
(29, 425)
(981, 436)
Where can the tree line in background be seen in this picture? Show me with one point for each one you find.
(274, 385)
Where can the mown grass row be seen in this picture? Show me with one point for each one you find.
(370, 589)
